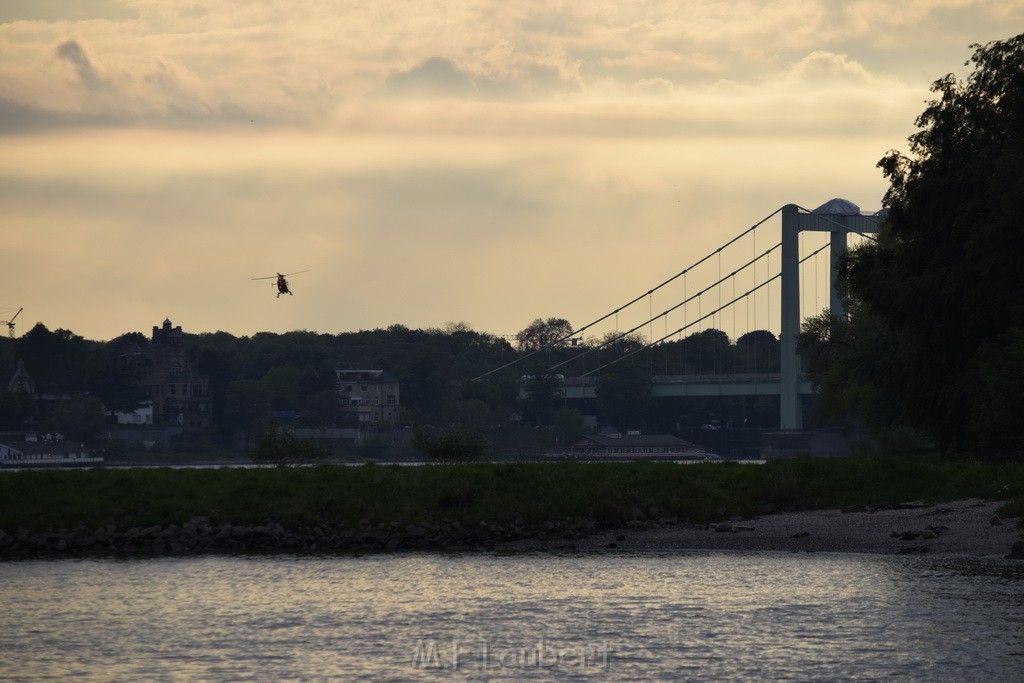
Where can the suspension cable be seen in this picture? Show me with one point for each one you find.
(638, 298)
(664, 313)
(702, 317)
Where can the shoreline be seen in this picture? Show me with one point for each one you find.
(966, 528)
(959, 528)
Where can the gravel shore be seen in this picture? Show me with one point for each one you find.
(965, 527)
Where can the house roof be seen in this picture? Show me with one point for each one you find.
(375, 375)
(20, 380)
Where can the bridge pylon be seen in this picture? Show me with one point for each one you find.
(839, 217)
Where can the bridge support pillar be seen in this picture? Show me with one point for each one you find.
(838, 217)
(838, 247)
(790, 415)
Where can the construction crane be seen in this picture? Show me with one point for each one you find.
(10, 323)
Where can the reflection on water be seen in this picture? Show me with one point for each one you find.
(646, 616)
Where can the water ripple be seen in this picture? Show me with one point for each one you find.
(640, 616)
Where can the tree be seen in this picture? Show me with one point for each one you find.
(544, 334)
(247, 403)
(453, 445)
(999, 395)
(77, 418)
(470, 413)
(280, 447)
(543, 392)
(620, 344)
(943, 281)
(708, 352)
(757, 351)
(59, 361)
(16, 407)
(121, 382)
(849, 361)
(321, 409)
(281, 381)
(624, 395)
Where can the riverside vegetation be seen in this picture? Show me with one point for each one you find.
(327, 508)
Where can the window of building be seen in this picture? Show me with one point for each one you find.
(391, 400)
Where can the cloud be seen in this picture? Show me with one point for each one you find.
(513, 79)
(823, 67)
(435, 77)
(664, 62)
(73, 53)
(432, 162)
(165, 63)
(19, 117)
(63, 10)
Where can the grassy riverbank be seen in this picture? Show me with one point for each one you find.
(533, 493)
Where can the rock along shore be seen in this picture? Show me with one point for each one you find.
(966, 527)
(969, 527)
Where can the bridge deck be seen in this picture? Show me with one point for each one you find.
(663, 386)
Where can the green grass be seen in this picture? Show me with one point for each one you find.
(495, 493)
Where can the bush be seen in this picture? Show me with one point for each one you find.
(449, 446)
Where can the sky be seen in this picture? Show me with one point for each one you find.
(431, 163)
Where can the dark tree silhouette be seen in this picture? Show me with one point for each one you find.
(943, 282)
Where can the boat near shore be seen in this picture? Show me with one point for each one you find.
(665, 456)
(618, 447)
(50, 451)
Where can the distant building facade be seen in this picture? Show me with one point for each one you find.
(368, 396)
(180, 394)
(143, 415)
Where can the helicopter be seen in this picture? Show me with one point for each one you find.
(282, 283)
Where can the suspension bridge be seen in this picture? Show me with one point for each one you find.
(771, 289)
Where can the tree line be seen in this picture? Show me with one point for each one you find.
(447, 375)
(931, 353)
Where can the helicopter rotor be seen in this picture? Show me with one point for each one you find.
(274, 277)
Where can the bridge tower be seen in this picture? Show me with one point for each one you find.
(838, 217)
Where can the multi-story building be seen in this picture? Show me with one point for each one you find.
(368, 396)
(180, 395)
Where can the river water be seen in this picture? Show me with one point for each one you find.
(601, 616)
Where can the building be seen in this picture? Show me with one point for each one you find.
(180, 394)
(20, 381)
(143, 415)
(368, 396)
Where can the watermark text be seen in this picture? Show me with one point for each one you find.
(480, 654)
